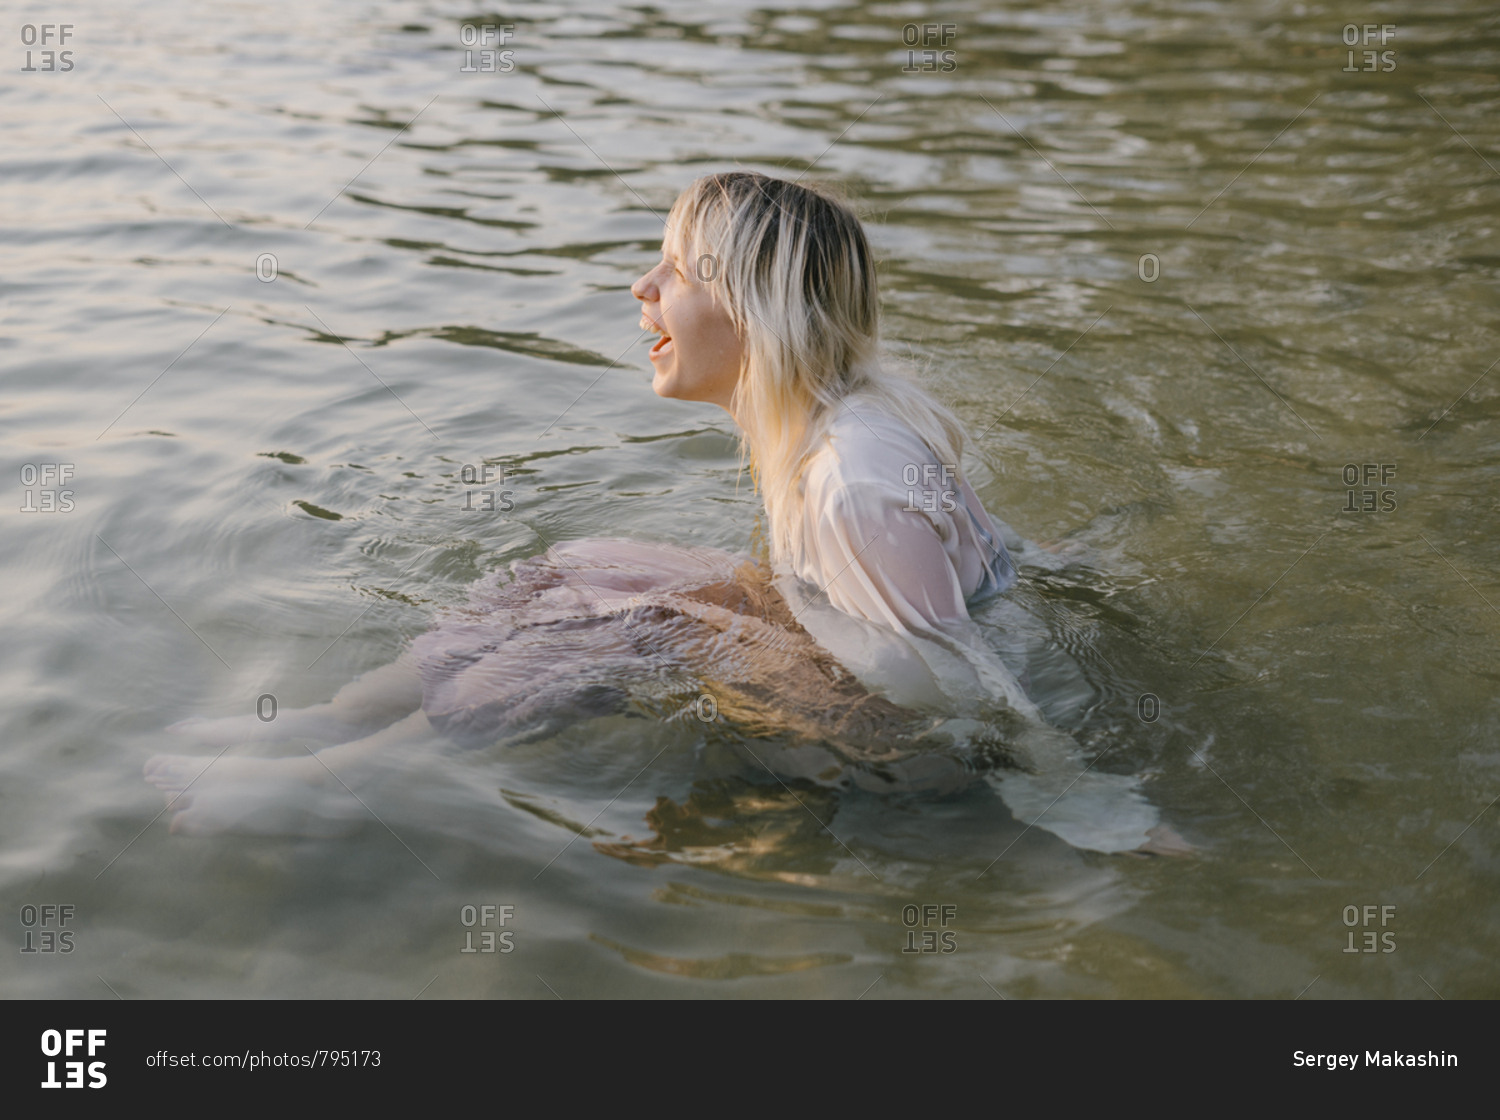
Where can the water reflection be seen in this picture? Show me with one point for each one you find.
(452, 292)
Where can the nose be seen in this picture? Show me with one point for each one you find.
(644, 289)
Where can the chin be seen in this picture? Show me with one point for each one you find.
(665, 386)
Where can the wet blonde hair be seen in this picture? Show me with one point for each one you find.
(792, 267)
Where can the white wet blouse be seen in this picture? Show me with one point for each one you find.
(893, 537)
(894, 549)
(891, 534)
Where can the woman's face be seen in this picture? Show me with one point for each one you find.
(699, 355)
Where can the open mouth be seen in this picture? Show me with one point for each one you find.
(663, 344)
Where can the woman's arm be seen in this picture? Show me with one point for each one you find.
(886, 563)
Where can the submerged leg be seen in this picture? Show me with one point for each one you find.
(365, 704)
(305, 795)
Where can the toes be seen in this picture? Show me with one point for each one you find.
(159, 771)
(178, 799)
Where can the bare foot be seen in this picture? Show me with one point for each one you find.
(226, 731)
(260, 796)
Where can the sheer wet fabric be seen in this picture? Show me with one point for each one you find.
(899, 545)
(863, 651)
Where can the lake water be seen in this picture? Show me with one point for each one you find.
(1214, 289)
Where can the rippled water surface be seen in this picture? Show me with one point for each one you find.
(1185, 269)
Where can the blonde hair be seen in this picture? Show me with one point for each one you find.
(792, 267)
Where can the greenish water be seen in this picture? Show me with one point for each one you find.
(1178, 266)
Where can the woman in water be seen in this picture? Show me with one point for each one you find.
(766, 304)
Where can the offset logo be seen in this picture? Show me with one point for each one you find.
(485, 915)
(941, 940)
(47, 35)
(66, 1044)
(44, 928)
